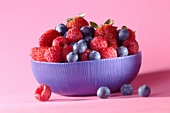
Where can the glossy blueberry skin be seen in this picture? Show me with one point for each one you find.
(85, 31)
(80, 46)
(72, 57)
(65, 34)
(103, 92)
(122, 51)
(92, 31)
(72, 43)
(144, 91)
(88, 39)
(126, 89)
(62, 29)
(123, 34)
(94, 55)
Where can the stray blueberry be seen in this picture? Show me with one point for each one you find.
(103, 92)
(144, 91)
(126, 89)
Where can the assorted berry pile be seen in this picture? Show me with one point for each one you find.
(80, 40)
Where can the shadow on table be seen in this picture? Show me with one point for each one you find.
(159, 83)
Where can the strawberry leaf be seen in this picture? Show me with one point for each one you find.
(124, 27)
(108, 21)
(82, 15)
(68, 19)
(112, 22)
(93, 24)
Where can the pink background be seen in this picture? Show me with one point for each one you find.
(22, 23)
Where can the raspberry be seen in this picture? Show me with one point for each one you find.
(74, 35)
(98, 43)
(132, 46)
(53, 54)
(37, 53)
(85, 55)
(60, 41)
(66, 50)
(112, 42)
(131, 35)
(108, 52)
(43, 92)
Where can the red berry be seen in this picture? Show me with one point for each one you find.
(98, 43)
(108, 52)
(66, 50)
(43, 92)
(47, 38)
(77, 23)
(74, 35)
(54, 54)
(60, 41)
(112, 42)
(132, 46)
(37, 53)
(85, 55)
(131, 35)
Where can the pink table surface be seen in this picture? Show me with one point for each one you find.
(22, 23)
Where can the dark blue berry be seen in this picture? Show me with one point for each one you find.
(62, 29)
(103, 92)
(72, 57)
(144, 91)
(85, 31)
(126, 89)
(92, 31)
(94, 55)
(122, 51)
(65, 34)
(88, 39)
(123, 34)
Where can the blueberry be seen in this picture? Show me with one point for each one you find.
(62, 29)
(144, 91)
(80, 46)
(123, 34)
(92, 31)
(122, 51)
(126, 89)
(94, 55)
(88, 39)
(72, 43)
(103, 92)
(85, 31)
(72, 57)
(65, 34)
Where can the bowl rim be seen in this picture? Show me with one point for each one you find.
(79, 62)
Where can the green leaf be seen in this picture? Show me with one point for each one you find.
(82, 15)
(108, 21)
(93, 24)
(124, 27)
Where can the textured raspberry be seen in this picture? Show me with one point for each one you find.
(60, 41)
(108, 52)
(47, 38)
(37, 53)
(53, 54)
(106, 31)
(112, 42)
(98, 43)
(131, 35)
(77, 23)
(43, 92)
(66, 50)
(132, 46)
(74, 35)
(85, 55)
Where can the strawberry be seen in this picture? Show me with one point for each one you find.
(77, 22)
(53, 54)
(60, 41)
(132, 46)
(98, 43)
(85, 55)
(74, 35)
(43, 92)
(47, 38)
(108, 52)
(37, 53)
(66, 50)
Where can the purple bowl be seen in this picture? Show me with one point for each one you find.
(84, 78)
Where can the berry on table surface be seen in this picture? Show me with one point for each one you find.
(37, 53)
(122, 51)
(98, 43)
(74, 35)
(47, 38)
(144, 91)
(108, 52)
(126, 89)
(94, 55)
(43, 92)
(72, 57)
(103, 92)
(54, 54)
(61, 28)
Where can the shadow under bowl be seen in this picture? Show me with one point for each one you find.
(85, 77)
